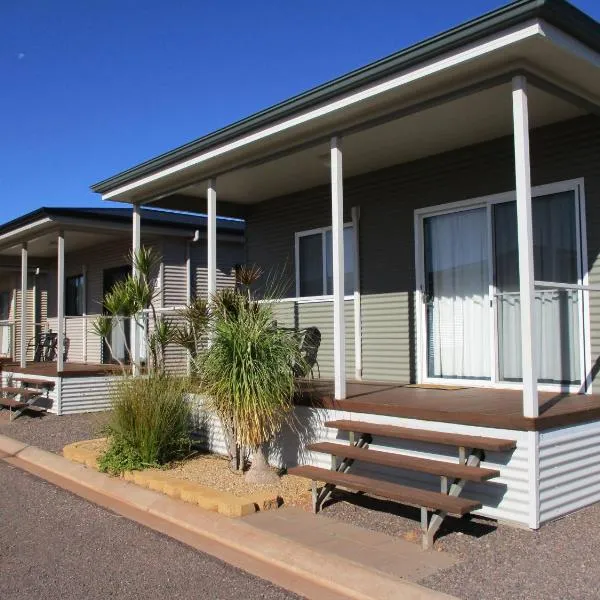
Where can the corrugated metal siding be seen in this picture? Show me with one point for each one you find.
(175, 282)
(305, 427)
(32, 303)
(387, 337)
(85, 394)
(174, 292)
(387, 201)
(300, 315)
(229, 254)
(569, 469)
(506, 497)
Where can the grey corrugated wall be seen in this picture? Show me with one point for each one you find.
(387, 201)
(229, 253)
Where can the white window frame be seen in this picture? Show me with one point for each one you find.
(575, 185)
(322, 231)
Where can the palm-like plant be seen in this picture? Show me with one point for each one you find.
(247, 374)
(129, 299)
(192, 332)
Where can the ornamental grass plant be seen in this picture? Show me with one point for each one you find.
(150, 423)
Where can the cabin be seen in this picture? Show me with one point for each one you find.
(62, 261)
(436, 212)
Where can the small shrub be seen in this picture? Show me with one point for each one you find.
(149, 424)
(120, 456)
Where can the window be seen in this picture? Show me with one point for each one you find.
(4, 306)
(314, 253)
(74, 299)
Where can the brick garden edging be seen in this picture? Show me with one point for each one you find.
(205, 497)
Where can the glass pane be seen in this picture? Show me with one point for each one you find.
(457, 294)
(4, 306)
(311, 265)
(556, 311)
(348, 261)
(74, 296)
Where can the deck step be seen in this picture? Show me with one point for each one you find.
(20, 391)
(453, 505)
(411, 463)
(30, 381)
(12, 403)
(427, 436)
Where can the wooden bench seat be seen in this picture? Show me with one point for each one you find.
(20, 391)
(402, 461)
(453, 505)
(12, 403)
(31, 382)
(426, 436)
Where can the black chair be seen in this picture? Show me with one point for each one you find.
(310, 341)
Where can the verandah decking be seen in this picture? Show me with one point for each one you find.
(50, 369)
(482, 407)
(78, 387)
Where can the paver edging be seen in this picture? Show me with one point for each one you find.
(206, 497)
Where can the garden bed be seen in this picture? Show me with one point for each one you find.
(205, 480)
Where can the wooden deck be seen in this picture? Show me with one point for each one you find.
(482, 407)
(49, 369)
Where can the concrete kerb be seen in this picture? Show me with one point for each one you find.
(342, 577)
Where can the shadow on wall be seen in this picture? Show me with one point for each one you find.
(305, 427)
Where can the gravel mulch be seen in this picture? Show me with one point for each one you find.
(213, 471)
(51, 432)
(499, 562)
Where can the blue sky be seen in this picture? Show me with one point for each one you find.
(92, 87)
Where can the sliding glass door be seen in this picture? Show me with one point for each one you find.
(457, 288)
(470, 291)
(557, 309)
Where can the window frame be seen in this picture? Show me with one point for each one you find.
(82, 288)
(322, 231)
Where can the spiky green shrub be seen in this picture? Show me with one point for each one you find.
(247, 373)
(149, 424)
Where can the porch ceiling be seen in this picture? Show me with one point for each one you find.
(45, 245)
(461, 122)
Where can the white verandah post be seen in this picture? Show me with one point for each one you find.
(525, 244)
(211, 234)
(60, 303)
(337, 238)
(135, 327)
(23, 324)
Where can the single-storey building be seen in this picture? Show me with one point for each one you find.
(438, 213)
(63, 261)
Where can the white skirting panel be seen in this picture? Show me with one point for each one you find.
(306, 426)
(569, 469)
(86, 394)
(507, 498)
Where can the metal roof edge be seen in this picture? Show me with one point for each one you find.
(232, 227)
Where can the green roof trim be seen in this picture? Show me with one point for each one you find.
(559, 13)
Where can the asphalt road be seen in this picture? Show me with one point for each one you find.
(54, 545)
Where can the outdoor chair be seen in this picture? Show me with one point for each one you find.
(309, 340)
(44, 345)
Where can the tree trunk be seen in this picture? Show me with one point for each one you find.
(260, 473)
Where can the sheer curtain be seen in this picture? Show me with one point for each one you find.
(457, 280)
(557, 312)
